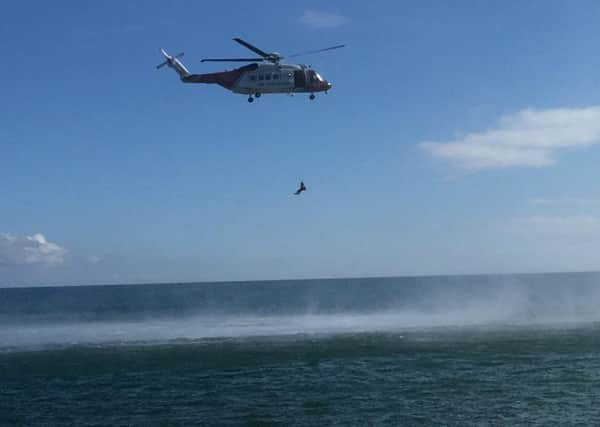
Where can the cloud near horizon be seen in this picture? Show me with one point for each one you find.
(29, 250)
(322, 19)
(567, 201)
(558, 225)
(529, 138)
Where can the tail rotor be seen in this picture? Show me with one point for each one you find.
(168, 58)
(173, 62)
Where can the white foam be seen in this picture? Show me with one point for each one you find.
(237, 326)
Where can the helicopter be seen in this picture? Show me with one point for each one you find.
(266, 74)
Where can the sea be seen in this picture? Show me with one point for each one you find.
(509, 350)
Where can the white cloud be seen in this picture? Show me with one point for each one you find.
(567, 201)
(94, 259)
(557, 225)
(321, 19)
(529, 138)
(29, 250)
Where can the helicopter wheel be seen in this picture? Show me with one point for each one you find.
(312, 96)
(257, 94)
(250, 99)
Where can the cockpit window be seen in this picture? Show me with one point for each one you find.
(314, 76)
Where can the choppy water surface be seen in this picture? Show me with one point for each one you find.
(520, 350)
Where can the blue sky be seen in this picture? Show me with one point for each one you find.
(458, 138)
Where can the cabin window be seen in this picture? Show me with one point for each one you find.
(267, 77)
(275, 76)
(252, 77)
(261, 77)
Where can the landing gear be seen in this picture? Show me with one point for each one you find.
(257, 94)
(312, 96)
(250, 99)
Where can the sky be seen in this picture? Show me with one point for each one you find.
(458, 138)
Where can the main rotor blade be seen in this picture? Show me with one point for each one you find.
(161, 65)
(252, 48)
(179, 55)
(232, 60)
(310, 52)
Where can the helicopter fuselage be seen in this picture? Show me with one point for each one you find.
(259, 78)
(265, 73)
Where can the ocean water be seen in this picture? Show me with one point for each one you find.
(472, 350)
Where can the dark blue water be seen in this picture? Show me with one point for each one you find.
(477, 350)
